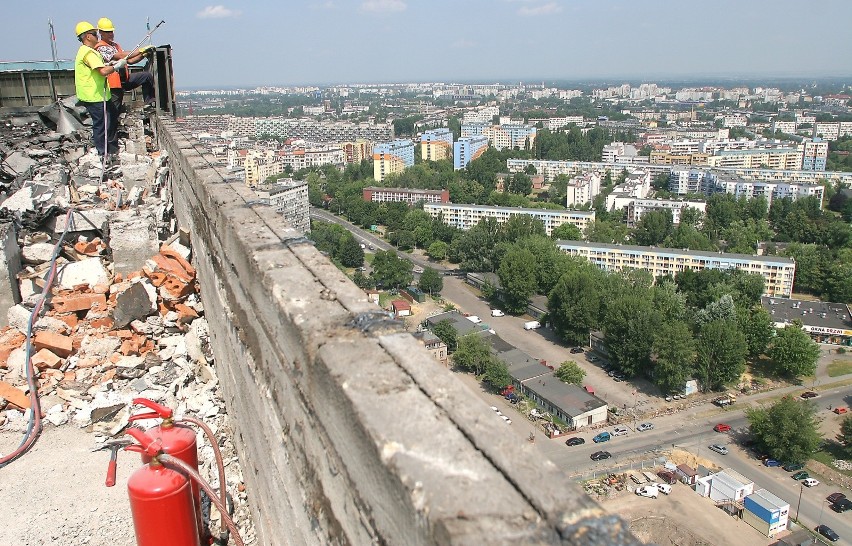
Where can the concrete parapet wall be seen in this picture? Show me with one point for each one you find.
(349, 432)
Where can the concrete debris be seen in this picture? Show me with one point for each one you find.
(124, 318)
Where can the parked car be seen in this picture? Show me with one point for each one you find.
(809, 394)
(620, 431)
(575, 441)
(801, 475)
(842, 505)
(593, 358)
(576, 350)
(497, 313)
(648, 491)
(719, 448)
(722, 427)
(793, 467)
(840, 411)
(664, 488)
(474, 319)
(834, 497)
(771, 462)
(645, 426)
(602, 437)
(668, 477)
(827, 532)
(532, 325)
(810, 482)
(600, 455)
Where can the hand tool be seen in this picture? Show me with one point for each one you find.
(113, 446)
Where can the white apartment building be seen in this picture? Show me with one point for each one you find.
(465, 217)
(832, 130)
(637, 185)
(619, 152)
(777, 272)
(482, 115)
(735, 120)
(788, 127)
(553, 124)
(684, 180)
(775, 158)
(550, 169)
(639, 207)
(290, 198)
(582, 189)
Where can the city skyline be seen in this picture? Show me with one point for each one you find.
(266, 43)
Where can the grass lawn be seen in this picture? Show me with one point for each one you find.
(839, 367)
(831, 451)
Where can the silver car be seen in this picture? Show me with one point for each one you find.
(719, 448)
(645, 426)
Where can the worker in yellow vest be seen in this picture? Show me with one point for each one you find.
(90, 75)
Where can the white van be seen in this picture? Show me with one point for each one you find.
(474, 319)
(532, 325)
(648, 491)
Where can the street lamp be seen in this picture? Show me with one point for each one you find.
(820, 511)
(801, 488)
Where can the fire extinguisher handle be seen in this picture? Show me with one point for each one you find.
(160, 410)
(110, 479)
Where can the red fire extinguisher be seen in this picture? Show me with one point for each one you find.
(176, 439)
(161, 499)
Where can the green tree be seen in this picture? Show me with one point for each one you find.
(431, 281)
(349, 251)
(793, 352)
(438, 250)
(653, 228)
(447, 333)
(629, 327)
(758, 329)
(674, 356)
(604, 231)
(787, 430)
(521, 225)
(567, 232)
(472, 354)
(517, 278)
(390, 271)
(574, 306)
(569, 372)
(720, 354)
(845, 436)
(497, 374)
(521, 184)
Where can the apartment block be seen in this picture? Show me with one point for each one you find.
(481, 115)
(465, 217)
(814, 154)
(392, 157)
(582, 189)
(763, 158)
(637, 208)
(436, 144)
(405, 195)
(788, 127)
(510, 136)
(550, 169)
(323, 131)
(290, 198)
(467, 149)
(777, 272)
(691, 181)
(357, 151)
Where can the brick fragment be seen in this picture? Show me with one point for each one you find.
(14, 395)
(187, 313)
(45, 358)
(57, 343)
(10, 340)
(101, 322)
(69, 318)
(78, 302)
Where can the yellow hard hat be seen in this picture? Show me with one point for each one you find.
(105, 24)
(83, 26)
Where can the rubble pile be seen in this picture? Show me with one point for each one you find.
(123, 318)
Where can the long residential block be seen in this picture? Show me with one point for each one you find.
(777, 272)
(465, 217)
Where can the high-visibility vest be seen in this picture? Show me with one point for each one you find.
(108, 51)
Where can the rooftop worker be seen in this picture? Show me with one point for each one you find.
(123, 80)
(90, 75)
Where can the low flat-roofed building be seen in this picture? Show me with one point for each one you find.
(825, 322)
(406, 195)
(725, 485)
(569, 402)
(766, 512)
(434, 345)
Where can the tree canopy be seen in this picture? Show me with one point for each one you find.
(786, 430)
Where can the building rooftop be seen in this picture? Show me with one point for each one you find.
(677, 252)
(817, 314)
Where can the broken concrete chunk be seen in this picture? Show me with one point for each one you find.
(99, 347)
(135, 303)
(37, 253)
(18, 317)
(52, 325)
(82, 220)
(20, 201)
(89, 271)
(19, 162)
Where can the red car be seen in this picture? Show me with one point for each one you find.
(722, 427)
(840, 411)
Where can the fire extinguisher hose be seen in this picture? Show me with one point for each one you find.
(177, 464)
(220, 466)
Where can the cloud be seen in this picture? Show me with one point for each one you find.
(383, 6)
(463, 43)
(544, 9)
(217, 12)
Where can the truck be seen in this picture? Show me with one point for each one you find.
(725, 400)
(532, 325)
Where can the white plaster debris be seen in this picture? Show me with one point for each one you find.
(168, 359)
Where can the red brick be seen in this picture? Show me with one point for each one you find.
(14, 395)
(46, 359)
(68, 318)
(187, 313)
(101, 322)
(79, 302)
(57, 343)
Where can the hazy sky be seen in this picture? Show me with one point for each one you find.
(284, 42)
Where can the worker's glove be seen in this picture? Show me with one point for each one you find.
(119, 64)
(146, 50)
